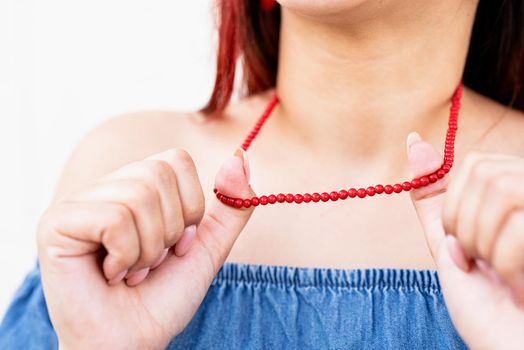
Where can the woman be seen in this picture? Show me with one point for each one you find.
(130, 249)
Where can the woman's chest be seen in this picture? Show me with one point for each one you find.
(355, 233)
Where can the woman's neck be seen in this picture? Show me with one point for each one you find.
(358, 82)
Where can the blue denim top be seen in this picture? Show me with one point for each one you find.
(281, 307)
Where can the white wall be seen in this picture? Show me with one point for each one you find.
(67, 65)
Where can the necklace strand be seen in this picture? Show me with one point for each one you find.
(449, 152)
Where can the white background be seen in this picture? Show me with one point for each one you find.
(65, 66)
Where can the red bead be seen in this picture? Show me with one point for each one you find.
(281, 197)
(215, 190)
(219, 195)
(415, 183)
(289, 198)
(424, 181)
(231, 201)
(343, 194)
(324, 196)
(397, 188)
(272, 199)
(247, 203)
(298, 198)
(307, 198)
(254, 201)
(370, 191)
(315, 197)
(388, 189)
(361, 192)
(379, 189)
(406, 186)
(223, 199)
(441, 173)
(446, 168)
(333, 196)
(263, 200)
(352, 193)
(238, 203)
(433, 178)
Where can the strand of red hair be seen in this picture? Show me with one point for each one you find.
(248, 30)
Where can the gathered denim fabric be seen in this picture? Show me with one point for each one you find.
(280, 307)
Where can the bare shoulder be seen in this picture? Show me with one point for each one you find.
(134, 136)
(500, 128)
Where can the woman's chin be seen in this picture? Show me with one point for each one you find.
(322, 8)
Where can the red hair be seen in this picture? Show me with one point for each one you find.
(494, 67)
(246, 30)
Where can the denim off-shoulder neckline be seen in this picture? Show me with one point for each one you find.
(359, 278)
(254, 306)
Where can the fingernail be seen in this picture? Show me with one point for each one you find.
(457, 254)
(111, 267)
(412, 138)
(516, 296)
(488, 271)
(118, 278)
(159, 261)
(183, 245)
(518, 289)
(136, 277)
(240, 152)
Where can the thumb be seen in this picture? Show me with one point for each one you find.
(424, 159)
(222, 223)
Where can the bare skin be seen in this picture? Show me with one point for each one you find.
(360, 83)
(343, 234)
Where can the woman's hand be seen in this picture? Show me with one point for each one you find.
(474, 227)
(127, 260)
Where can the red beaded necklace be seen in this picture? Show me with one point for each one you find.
(449, 150)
